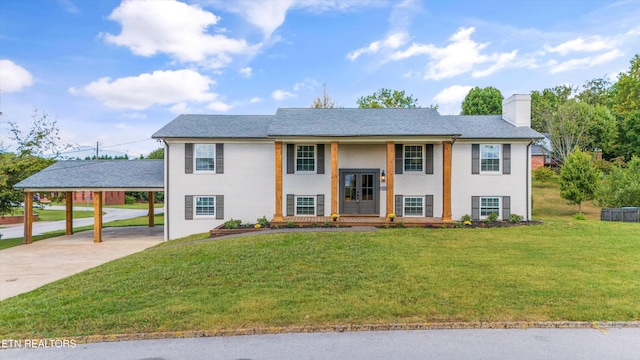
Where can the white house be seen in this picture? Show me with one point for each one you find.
(309, 163)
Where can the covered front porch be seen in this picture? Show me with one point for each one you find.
(407, 221)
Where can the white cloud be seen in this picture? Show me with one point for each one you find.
(255, 100)
(219, 106)
(157, 88)
(136, 115)
(180, 108)
(282, 95)
(69, 6)
(307, 83)
(595, 43)
(174, 28)
(13, 77)
(462, 55)
(246, 72)
(582, 63)
(453, 94)
(391, 42)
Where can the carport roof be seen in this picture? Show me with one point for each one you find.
(100, 175)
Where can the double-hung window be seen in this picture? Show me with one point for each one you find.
(413, 206)
(305, 205)
(489, 205)
(305, 158)
(490, 158)
(205, 157)
(205, 206)
(413, 158)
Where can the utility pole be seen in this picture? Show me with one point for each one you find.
(97, 150)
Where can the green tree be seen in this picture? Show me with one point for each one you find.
(626, 100)
(157, 154)
(578, 178)
(543, 174)
(545, 103)
(387, 98)
(622, 186)
(597, 92)
(485, 101)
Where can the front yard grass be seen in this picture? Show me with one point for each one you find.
(561, 270)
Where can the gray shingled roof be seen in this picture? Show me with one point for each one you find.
(102, 174)
(344, 122)
(489, 126)
(359, 122)
(216, 126)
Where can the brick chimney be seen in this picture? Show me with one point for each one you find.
(516, 109)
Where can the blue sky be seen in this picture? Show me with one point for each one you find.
(114, 72)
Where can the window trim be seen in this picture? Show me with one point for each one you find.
(480, 207)
(315, 160)
(422, 159)
(195, 159)
(499, 159)
(195, 207)
(404, 205)
(312, 206)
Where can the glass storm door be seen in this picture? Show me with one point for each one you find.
(359, 192)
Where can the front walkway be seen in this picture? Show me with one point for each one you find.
(27, 267)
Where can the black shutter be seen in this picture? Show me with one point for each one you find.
(475, 208)
(399, 156)
(428, 157)
(428, 206)
(219, 207)
(291, 158)
(399, 205)
(291, 211)
(320, 151)
(506, 158)
(320, 205)
(475, 158)
(219, 158)
(506, 207)
(188, 158)
(188, 207)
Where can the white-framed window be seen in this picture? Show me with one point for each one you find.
(305, 205)
(490, 158)
(413, 158)
(205, 157)
(205, 206)
(489, 205)
(413, 206)
(305, 158)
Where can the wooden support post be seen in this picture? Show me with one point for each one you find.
(151, 208)
(278, 215)
(97, 216)
(446, 181)
(28, 217)
(391, 169)
(335, 177)
(68, 197)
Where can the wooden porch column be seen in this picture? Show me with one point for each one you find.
(391, 169)
(278, 215)
(97, 216)
(152, 197)
(334, 178)
(446, 181)
(28, 217)
(68, 197)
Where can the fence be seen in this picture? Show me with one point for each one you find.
(625, 214)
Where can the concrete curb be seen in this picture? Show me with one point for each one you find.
(596, 325)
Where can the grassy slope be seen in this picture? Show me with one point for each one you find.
(562, 270)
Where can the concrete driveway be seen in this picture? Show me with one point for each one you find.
(27, 267)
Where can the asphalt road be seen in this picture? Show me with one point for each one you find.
(111, 214)
(528, 344)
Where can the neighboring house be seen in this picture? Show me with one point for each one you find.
(108, 197)
(308, 162)
(540, 157)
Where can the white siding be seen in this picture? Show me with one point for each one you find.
(248, 186)
(464, 185)
(420, 184)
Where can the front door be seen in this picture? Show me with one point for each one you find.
(359, 191)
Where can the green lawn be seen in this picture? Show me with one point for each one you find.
(564, 269)
(55, 215)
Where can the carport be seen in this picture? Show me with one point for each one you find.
(96, 176)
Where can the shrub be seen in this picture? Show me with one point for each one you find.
(465, 218)
(128, 199)
(400, 224)
(580, 216)
(493, 217)
(263, 221)
(543, 174)
(290, 224)
(515, 218)
(326, 224)
(232, 224)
